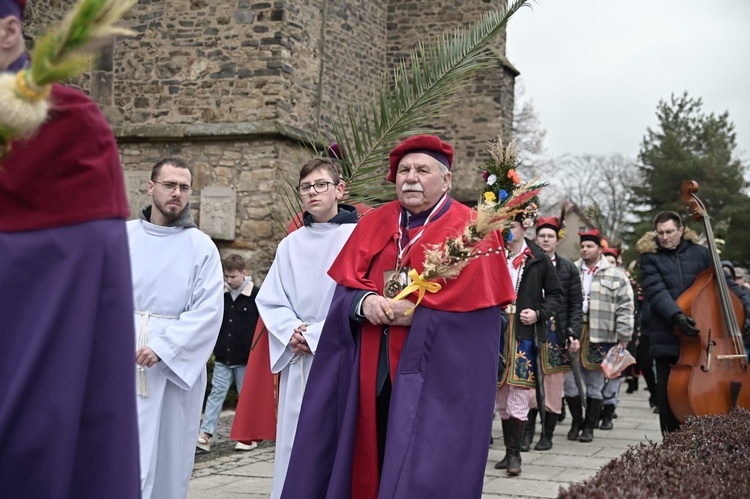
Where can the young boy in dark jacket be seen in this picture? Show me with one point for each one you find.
(233, 345)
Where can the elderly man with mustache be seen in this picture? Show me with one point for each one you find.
(388, 387)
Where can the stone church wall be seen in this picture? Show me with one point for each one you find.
(236, 86)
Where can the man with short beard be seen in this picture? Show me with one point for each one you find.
(179, 303)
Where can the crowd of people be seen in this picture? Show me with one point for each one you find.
(103, 386)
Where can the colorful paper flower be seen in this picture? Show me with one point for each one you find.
(489, 197)
(513, 176)
(492, 179)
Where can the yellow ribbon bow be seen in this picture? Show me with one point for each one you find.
(417, 284)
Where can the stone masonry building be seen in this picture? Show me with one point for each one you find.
(233, 86)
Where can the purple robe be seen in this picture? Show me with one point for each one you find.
(68, 422)
(441, 408)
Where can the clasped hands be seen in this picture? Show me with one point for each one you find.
(298, 343)
(379, 310)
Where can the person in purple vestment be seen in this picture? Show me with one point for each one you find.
(400, 406)
(67, 392)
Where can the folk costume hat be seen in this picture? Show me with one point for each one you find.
(615, 252)
(593, 235)
(548, 223)
(426, 144)
(13, 8)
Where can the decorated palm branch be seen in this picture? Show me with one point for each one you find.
(505, 198)
(415, 96)
(62, 53)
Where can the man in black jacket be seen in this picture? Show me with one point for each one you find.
(564, 332)
(671, 259)
(539, 297)
(233, 345)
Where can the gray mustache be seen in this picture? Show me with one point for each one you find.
(412, 188)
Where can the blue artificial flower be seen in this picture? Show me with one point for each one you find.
(510, 234)
(502, 195)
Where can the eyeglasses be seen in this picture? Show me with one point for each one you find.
(169, 187)
(319, 187)
(667, 233)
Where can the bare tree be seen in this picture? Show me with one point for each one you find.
(528, 133)
(601, 186)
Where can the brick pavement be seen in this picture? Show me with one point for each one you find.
(227, 474)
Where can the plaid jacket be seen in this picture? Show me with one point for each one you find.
(611, 304)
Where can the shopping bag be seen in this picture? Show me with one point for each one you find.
(616, 360)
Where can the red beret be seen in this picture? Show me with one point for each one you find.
(548, 223)
(12, 8)
(427, 144)
(592, 235)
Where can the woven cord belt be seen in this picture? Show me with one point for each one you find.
(141, 340)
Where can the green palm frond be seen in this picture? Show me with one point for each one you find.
(418, 94)
(64, 52)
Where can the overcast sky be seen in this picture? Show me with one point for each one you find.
(596, 69)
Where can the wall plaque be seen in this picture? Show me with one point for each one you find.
(218, 212)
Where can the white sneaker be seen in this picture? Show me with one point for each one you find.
(204, 442)
(241, 446)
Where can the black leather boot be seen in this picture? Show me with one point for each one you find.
(576, 413)
(593, 409)
(503, 463)
(607, 411)
(514, 446)
(528, 431)
(545, 443)
(561, 416)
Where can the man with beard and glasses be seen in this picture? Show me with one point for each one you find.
(390, 392)
(67, 403)
(179, 303)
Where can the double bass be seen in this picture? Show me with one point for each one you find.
(711, 375)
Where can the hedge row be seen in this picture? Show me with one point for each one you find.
(709, 457)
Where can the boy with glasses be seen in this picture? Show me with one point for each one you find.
(294, 298)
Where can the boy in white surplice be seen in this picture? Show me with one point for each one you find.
(294, 298)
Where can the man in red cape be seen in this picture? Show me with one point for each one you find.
(67, 370)
(400, 405)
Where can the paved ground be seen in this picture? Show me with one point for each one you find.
(227, 474)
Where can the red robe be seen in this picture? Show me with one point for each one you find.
(255, 417)
(370, 251)
(68, 419)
